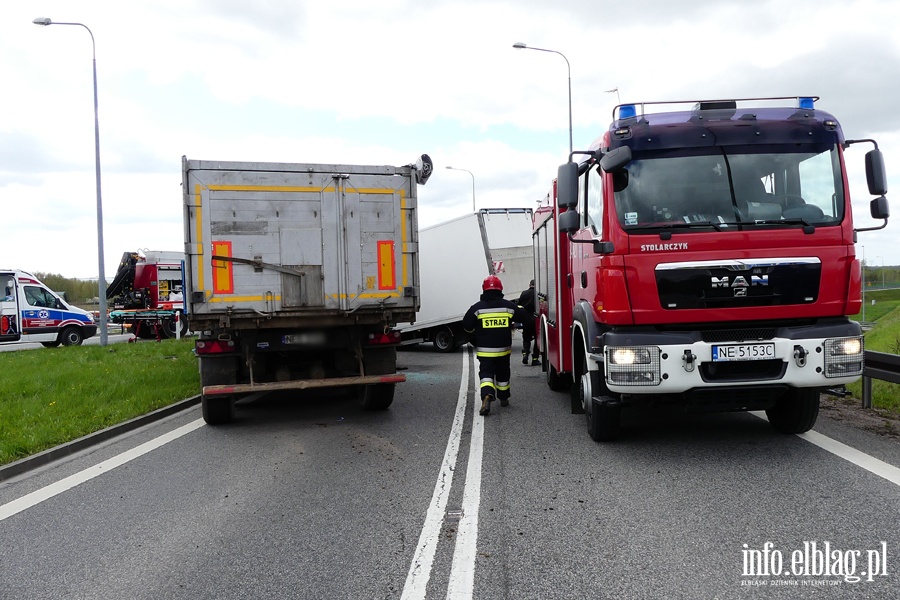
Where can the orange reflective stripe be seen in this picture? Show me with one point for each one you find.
(222, 275)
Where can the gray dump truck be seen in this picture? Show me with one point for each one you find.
(297, 274)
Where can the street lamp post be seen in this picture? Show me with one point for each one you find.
(44, 21)
(523, 46)
(473, 183)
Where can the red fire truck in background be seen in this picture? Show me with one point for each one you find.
(147, 294)
(704, 256)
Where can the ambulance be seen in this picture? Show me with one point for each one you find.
(31, 312)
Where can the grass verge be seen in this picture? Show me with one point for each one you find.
(53, 396)
(883, 337)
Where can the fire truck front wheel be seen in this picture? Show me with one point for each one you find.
(603, 420)
(796, 411)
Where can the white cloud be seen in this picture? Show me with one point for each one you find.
(381, 83)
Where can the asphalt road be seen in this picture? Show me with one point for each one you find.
(311, 497)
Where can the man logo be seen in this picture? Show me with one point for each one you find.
(739, 282)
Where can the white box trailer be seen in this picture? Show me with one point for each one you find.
(297, 274)
(455, 257)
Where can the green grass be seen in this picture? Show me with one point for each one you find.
(883, 337)
(52, 396)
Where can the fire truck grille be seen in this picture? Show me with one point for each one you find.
(731, 284)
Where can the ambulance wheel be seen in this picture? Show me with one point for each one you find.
(443, 340)
(603, 421)
(376, 396)
(217, 410)
(71, 336)
(49, 344)
(796, 411)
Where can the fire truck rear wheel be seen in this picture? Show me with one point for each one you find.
(796, 411)
(376, 396)
(71, 336)
(555, 381)
(217, 410)
(603, 421)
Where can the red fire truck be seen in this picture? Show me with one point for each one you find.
(702, 254)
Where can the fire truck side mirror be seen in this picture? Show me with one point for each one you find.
(616, 159)
(875, 174)
(879, 208)
(569, 221)
(567, 186)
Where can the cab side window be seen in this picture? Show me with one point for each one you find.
(595, 200)
(39, 297)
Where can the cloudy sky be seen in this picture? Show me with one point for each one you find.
(382, 82)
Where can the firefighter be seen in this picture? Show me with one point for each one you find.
(526, 301)
(490, 322)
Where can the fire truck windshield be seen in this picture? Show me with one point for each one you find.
(709, 189)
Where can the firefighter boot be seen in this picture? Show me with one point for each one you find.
(504, 401)
(524, 358)
(485, 405)
(535, 361)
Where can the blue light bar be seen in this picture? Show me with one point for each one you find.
(807, 102)
(627, 111)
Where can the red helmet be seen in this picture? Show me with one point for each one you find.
(492, 282)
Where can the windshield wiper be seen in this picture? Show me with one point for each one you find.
(680, 224)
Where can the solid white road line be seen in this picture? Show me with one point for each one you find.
(462, 571)
(848, 453)
(54, 489)
(423, 559)
(861, 459)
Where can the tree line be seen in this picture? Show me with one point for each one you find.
(76, 290)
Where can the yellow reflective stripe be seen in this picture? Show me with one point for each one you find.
(495, 310)
(487, 384)
(494, 315)
(503, 388)
(493, 354)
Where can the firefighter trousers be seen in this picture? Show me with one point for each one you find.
(493, 373)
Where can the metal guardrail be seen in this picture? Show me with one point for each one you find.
(878, 365)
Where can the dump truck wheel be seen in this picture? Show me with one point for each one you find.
(376, 396)
(217, 410)
(796, 411)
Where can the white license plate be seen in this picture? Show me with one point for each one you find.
(743, 352)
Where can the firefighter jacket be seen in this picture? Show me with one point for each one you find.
(490, 321)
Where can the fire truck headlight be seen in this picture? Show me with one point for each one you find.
(844, 357)
(633, 365)
(844, 346)
(629, 356)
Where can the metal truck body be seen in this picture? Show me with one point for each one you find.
(705, 257)
(31, 312)
(455, 257)
(296, 275)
